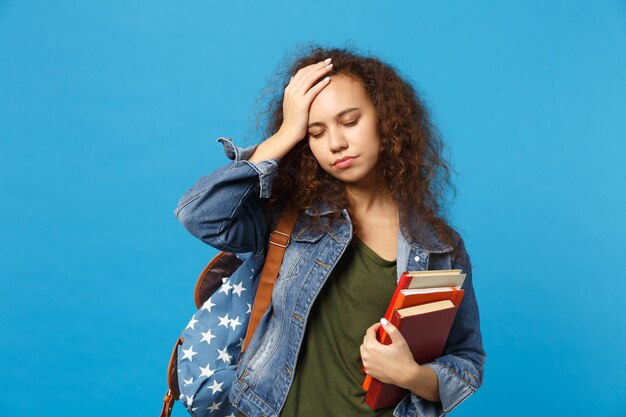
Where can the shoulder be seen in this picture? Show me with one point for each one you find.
(431, 233)
(459, 254)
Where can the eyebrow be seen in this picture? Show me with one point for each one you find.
(341, 113)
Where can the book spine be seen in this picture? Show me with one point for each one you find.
(379, 394)
(403, 283)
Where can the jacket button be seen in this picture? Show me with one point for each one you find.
(417, 258)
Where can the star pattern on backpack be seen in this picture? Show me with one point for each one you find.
(207, 358)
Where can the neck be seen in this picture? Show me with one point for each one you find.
(364, 198)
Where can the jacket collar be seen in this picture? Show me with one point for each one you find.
(427, 237)
(323, 207)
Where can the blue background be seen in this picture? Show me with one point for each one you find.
(109, 111)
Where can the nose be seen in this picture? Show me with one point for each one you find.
(336, 142)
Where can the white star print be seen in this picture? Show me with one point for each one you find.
(225, 288)
(188, 354)
(206, 337)
(232, 415)
(234, 323)
(216, 387)
(207, 305)
(224, 321)
(214, 407)
(192, 323)
(207, 371)
(240, 341)
(249, 308)
(188, 381)
(238, 289)
(189, 401)
(223, 355)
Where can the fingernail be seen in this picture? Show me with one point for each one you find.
(384, 321)
(327, 60)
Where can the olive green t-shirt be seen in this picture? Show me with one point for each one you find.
(328, 375)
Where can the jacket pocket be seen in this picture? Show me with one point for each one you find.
(307, 233)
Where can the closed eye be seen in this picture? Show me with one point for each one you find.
(350, 123)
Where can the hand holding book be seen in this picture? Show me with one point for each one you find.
(421, 312)
(392, 363)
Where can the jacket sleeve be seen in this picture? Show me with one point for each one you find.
(224, 208)
(460, 369)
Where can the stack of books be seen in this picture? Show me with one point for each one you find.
(422, 308)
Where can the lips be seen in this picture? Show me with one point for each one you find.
(344, 162)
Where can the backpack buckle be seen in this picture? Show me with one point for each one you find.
(282, 240)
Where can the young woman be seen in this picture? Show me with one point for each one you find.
(351, 148)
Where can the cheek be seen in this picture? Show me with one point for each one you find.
(375, 145)
(316, 151)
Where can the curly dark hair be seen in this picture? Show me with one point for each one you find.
(412, 164)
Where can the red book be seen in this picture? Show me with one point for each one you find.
(425, 328)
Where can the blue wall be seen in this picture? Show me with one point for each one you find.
(109, 111)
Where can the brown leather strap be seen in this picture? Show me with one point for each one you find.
(168, 404)
(279, 240)
(173, 392)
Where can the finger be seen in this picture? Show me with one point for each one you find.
(363, 347)
(364, 357)
(314, 91)
(309, 68)
(373, 328)
(370, 333)
(305, 79)
(392, 331)
(303, 87)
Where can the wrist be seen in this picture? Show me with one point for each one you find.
(411, 376)
(424, 383)
(287, 137)
(274, 147)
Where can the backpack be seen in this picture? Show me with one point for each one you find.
(204, 361)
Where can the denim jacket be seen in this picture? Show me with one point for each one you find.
(224, 209)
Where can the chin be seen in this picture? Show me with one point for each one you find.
(348, 179)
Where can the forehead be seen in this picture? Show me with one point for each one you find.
(341, 93)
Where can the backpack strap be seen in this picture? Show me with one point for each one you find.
(173, 392)
(279, 240)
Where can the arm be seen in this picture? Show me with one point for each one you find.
(439, 386)
(224, 208)
(460, 370)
